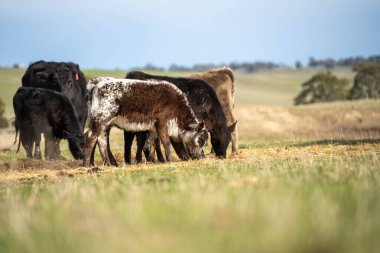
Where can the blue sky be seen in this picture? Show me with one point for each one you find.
(125, 34)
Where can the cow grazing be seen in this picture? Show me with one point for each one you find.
(206, 106)
(133, 105)
(42, 111)
(64, 77)
(222, 80)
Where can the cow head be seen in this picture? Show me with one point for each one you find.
(221, 138)
(194, 139)
(76, 143)
(66, 77)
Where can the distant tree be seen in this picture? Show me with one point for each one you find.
(3, 122)
(374, 59)
(150, 66)
(329, 63)
(312, 62)
(366, 81)
(322, 87)
(175, 67)
(298, 65)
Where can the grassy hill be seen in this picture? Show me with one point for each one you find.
(277, 87)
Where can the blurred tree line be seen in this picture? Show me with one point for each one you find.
(330, 63)
(250, 67)
(324, 86)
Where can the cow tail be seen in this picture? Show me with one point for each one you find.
(19, 140)
(18, 146)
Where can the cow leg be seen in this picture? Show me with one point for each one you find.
(102, 142)
(234, 137)
(92, 157)
(110, 155)
(57, 149)
(149, 146)
(50, 146)
(27, 142)
(91, 138)
(28, 149)
(180, 149)
(141, 137)
(149, 153)
(37, 150)
(128, 139)
(162, 131)
(160, 156)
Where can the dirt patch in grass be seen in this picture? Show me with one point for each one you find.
(25, 169)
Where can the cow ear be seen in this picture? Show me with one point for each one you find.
(232, 127)
(200, 126)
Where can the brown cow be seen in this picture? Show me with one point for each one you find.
(222, 80)
(133, 105)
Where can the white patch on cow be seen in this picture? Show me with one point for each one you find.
(173, 128)
(123, 123)
(196, 140)
(94, 106)
(188, 135)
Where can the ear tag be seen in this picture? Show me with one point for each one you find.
(76, 76)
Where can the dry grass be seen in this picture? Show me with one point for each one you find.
(26, 169)
(340, 120)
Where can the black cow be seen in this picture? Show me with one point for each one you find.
(42, 111)
(206, 106)
(64, 77)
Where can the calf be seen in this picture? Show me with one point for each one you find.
(42, 111)
(206, 106)
(133, 105)
(222, 80)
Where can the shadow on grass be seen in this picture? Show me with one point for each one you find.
(337, 142)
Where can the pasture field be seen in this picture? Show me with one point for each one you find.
(277, 87)
(306, 179)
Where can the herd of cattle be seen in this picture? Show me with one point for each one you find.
(55, 100)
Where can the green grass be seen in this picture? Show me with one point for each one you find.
(285, 198)
(278, 87)
(10, 80)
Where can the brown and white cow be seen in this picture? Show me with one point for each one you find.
(133, 105)
(222, 80)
